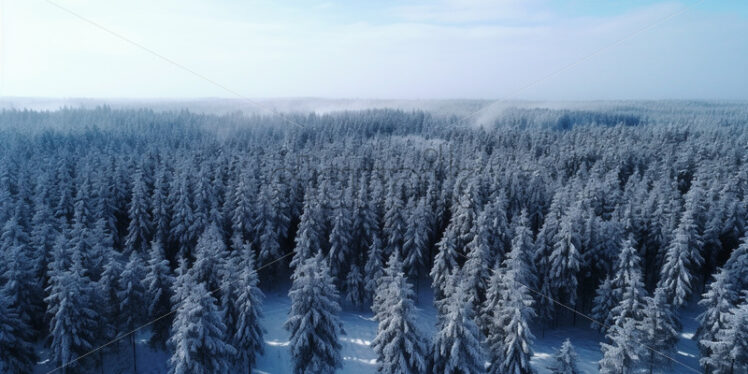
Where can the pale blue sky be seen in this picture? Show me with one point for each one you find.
(502, 49)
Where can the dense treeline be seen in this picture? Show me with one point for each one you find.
(618, 214)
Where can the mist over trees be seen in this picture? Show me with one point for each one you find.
(113, 218)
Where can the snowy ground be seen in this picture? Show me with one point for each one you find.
(360, 331)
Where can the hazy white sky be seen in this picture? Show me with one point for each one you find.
(377, 49)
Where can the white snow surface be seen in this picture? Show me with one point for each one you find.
(360, 330)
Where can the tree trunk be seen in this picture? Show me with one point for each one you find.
(134, 355)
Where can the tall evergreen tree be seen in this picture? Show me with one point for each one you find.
(374, 268)
(20, 285)
(199, 339)
(565, 260)
(565, 360)
(131, 297)
(15, 341)
(659, 330)
(729, 347)
(681, 261)
(399, 346)
(158, 283)
(417, 237)
(308, 238)
(73, 322)
(210, 254)
(628, 287)
(602, 305)
(313, 322)
(248, 333)
(457, 344)
(445, 264)
(140, 228)
(718, 302)
(623, 354)
(340, 241)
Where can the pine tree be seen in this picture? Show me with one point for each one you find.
(199, 339)
(457, 347)
(681, 261)
(623, 353)
(183, 215)
(659, 331)
(511, 337)
(399, 346)
(131, 297)
(42, 236)
(18, 273)
(160, 206)
(248, 334)
(272, 223)
(394, 220)
(602, 305)
(340, 241)
(566, 360)
(308, 237)
(445, 264)
(354, 286)
(15, 341)
(313, 321)
(158, 282)
(565, 260)
(737, 266)
(243, 203)
(627, 285)
(107, 287)
(140, 228)
(729, 347)
(73, 323)
(476, 268)
(373, 268)
(417, 236)
(210, 254)
(519, 258)
(718, 302)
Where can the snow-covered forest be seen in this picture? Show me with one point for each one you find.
(140, 241)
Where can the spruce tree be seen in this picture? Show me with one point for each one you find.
(15, 341)
(340, 241)
(445, 264)
(399, 346)
(18, 273)
(457, 344)
(308, 236)
(313, 321)
(511, 337)
(623, 354)
(602, 305)
(373, 269)
(417, 236)
(158, 282)
(565, 259)
(74, 320)
(210, 254)
(729, 347)
(628, 287)
(140, 228)
(659, 332)
(131, 297)
(682, 259)
(199, 339)
(718, 302)
(248, 334)
(565, 360)
(354, 286)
